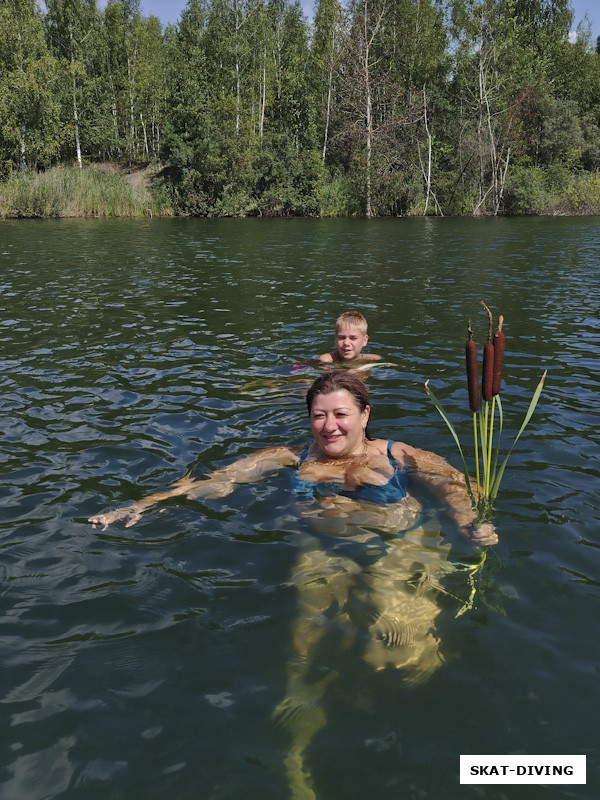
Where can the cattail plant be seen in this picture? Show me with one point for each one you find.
(498, 343)
(486, 429)
(472, 371)
(488, 361)
(488, 473)
(473, 387)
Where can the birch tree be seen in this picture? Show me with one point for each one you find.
(363, 79)
(71, 26)
(29, 110)
(261, 74)
(325, 59)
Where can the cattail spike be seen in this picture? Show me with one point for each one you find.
(472, 376)
(490, 320)
(499, 341)
(488, 371)
(488, 359)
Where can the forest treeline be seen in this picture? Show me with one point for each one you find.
(378, 107)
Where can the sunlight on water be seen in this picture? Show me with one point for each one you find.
(260, 646)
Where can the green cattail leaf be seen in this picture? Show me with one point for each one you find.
(500, 427)
(444, 416)
(528, 415)
(483, 438)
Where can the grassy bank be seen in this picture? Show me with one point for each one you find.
(96, 191)
(110, 190)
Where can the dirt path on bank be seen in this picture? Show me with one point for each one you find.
(138, 177)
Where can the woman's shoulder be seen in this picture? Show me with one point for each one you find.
(386, 446)
(293, 451)
(400, 450)
(392, 451)
(379, 445)
(297, 449)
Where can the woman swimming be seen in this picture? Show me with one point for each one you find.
(370, 595)
(343, 461)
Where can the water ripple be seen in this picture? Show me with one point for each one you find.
(150, 659)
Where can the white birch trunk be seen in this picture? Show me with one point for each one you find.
(329, 90)
(23, 162)
(75, 111)
(368, 116)
(146, 150)
(131, 110)
(263, 101)
(237, 71)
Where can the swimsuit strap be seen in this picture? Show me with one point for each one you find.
(303, 454)
(390, 444)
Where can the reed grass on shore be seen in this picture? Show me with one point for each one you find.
(111, 190)
(72, 192)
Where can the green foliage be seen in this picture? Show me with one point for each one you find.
(74, 192)
(336, 194)
(335, 197)
(30, 124)
(284, 180)
(533, 190)
(402, 107)
(584, 194)
(526, 191)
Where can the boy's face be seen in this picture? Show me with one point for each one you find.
(349, 343)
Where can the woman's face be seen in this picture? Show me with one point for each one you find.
(338, 424)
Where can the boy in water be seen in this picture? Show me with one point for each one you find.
(350, 338)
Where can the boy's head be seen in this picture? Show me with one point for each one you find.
(350, 335)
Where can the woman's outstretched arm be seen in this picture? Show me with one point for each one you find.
(219, 483)
(448, 485)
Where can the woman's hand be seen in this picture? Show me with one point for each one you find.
(129, 514)
(482, 535)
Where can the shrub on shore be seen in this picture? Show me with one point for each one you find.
(533, 190)
(108, 190)
(73, 192)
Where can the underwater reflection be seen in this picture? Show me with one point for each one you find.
(363, 591)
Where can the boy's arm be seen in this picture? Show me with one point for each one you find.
(327, 358)
(219, 483)
(448, 485)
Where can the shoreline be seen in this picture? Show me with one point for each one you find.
(109, 190)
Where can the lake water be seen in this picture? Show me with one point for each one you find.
(220, 648)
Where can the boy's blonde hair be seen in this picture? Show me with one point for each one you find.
(351, 319)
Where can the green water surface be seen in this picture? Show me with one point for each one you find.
(220, 648)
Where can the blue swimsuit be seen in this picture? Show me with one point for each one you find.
(390, 492)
